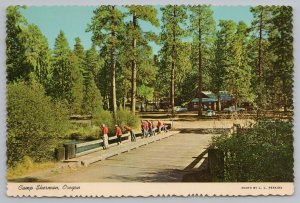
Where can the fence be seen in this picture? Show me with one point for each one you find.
(74, 149)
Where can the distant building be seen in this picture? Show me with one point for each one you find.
(210, 101)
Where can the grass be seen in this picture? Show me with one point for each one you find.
(27, 166)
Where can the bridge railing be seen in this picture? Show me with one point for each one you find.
(72, 149)
(95, 145)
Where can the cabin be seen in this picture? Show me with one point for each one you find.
(210, 101)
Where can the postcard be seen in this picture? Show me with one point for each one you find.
(149, 100)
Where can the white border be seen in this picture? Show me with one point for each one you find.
(5, 3)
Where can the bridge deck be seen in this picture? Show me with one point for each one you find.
(163, 161)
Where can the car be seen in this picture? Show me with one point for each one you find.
(180, 109)
(240, 109)
(228, 110)
(210, 113)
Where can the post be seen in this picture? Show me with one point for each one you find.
(216, 164)
(69, 151)
(60, 153)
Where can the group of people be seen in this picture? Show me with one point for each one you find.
(119, 134)
(149, 128)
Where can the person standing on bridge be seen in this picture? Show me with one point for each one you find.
(159, 125)
(118, 134)
(105, 136)
(144, 126)
(132, 135)
(150, 127)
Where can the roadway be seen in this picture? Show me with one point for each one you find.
(161, 161)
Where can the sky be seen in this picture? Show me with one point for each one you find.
(73, 20)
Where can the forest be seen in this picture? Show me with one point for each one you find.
(45, 87)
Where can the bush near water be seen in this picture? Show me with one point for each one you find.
(37, 125)
(34, 123)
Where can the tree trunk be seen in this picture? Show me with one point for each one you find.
(172, 92)
(113, 103)
(199, 70)
(113, 97)
(260, 89)
(133, 77)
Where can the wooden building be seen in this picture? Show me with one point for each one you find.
(210, 101)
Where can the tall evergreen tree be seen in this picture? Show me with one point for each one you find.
(223, 55)
(281, 46)
(92, 100)
(80, 53)
(237, 78)
(37, 54)
(260, 27)
(146, 14)
(107, 27)
(203, 29)
(173, 31)
(66, 77)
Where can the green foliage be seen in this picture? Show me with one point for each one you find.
(261, 153)
(27, 49)
(87, 132)
(280, 78)
(145, 93)
(34, 123)
(15, 48)
(237, 78)
(108, 19)
(203, 30)
(104, 117)
(67, 79)
(125, 117)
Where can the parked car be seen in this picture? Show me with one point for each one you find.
(180, 109)
(229, 109)
(232, 109)
(210, 113)
(240, 109)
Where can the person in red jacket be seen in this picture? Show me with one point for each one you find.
(118, 134)
(144, 125)
(105, 136)
(129, 130)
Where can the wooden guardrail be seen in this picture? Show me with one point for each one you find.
(72, 150)
(95, 145)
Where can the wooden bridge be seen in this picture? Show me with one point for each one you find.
(166, 157)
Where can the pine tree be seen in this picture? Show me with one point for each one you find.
(80, 53)
(223, 55)
(138, 37)
(173, 31)
(281, 46)
(92, 100)
(66, 78)
(107, 27)
(37, 54)
(15, 49)
(237, 78)
(203, 30)
(260, 27)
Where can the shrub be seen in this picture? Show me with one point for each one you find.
(104, 117)
(263, 152)
(125, 117)
(34, 123)
(86, 132)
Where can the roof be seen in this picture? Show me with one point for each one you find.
(204, 100)
(211, 97)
